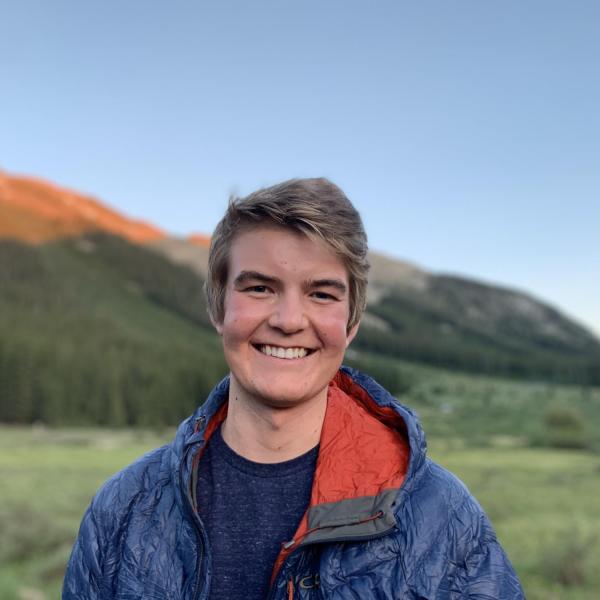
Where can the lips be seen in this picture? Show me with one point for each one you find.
(285, 353)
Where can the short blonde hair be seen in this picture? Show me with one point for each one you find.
(315, 207)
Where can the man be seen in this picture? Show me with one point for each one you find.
(297, 478)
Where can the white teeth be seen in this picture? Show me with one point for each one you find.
(286, 353)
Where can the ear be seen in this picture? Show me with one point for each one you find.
(218, 326)
(351, 334)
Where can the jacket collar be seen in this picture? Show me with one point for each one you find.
(371, 448)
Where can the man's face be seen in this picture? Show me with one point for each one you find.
(286, 314)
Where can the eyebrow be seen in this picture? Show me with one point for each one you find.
(246, 276)
(334, 283)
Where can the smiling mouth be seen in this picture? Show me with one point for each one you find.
(285, 353)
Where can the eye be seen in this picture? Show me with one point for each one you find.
(323, 296)
(257, 289)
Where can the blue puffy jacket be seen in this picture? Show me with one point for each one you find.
(383, 521)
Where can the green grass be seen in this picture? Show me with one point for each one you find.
(544, 506)
(47, 478)
(496, 435)
(482, 410)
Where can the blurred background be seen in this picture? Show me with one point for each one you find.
(466, 133)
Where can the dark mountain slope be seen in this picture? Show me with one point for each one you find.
(455, 322)
(96, 330)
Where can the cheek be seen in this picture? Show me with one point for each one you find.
(334, 330)
(241, 318)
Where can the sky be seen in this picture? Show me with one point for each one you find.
(467, 133)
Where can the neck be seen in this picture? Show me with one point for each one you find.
(268, 434)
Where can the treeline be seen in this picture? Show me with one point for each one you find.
(98, 331)
(421, 334)
(105, 382)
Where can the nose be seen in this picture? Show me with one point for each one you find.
(288, 314)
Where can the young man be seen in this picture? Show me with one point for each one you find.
(297, 478)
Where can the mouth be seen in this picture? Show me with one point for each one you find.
(285, 353)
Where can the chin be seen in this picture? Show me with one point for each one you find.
(283, 400)
(284, 394)
(278, 404)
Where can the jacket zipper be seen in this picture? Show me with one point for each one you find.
(290, 582)
(201, 537)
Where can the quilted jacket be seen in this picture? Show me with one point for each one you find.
(383, 520)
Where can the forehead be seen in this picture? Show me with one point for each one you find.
(278, 251)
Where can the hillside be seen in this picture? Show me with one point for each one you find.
(97, 327)
(96, 330)
(36, 211)
(454, 322)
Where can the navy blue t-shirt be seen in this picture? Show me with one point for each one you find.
(249, 509)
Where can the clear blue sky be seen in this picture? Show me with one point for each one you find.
(466, 132)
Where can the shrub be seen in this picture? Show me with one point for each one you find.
(564, 418)
(563, 427)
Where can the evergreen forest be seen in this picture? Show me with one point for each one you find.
(95, 330)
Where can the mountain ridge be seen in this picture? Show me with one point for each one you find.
(388, 276)
(403, 299)
(36, 211)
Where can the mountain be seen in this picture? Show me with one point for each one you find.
(97, 330)
(35, 211)
(103, 319)
(451, 321)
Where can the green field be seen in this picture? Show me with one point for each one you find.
(496, 435)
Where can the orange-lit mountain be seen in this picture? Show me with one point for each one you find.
(36, 211)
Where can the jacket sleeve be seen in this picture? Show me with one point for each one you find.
(84, 571)
(89, 572)
(97, 556)
(486, 571)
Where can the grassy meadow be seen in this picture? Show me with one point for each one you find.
(528, 451)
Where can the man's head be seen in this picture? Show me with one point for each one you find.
(315, 208)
